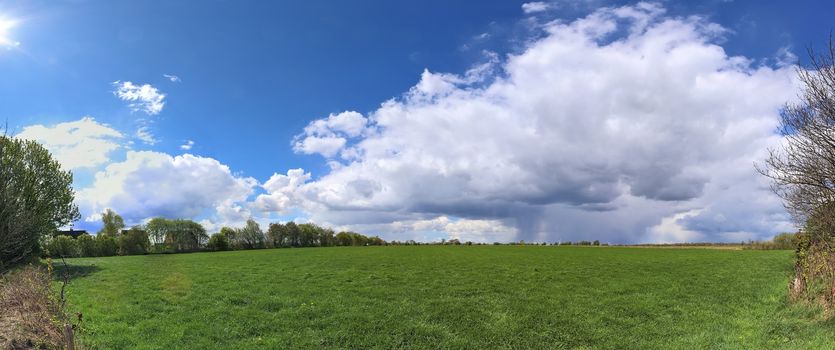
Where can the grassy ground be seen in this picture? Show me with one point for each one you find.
(445, 297)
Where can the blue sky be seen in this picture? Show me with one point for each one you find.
(253, 75)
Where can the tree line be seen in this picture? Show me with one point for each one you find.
(161, 235)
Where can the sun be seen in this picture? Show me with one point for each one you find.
(6, 24)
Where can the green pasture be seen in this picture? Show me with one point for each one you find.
(445, 297)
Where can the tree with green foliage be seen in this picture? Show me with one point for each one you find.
(231, 236)
(218, 242)
(309, 234)
(134, 242)
(178, 235)
(186, 235)
(277, 234)
(343, 239)
(293, 234)
(379, 241)
(251, 236)
(326, 238)
(112, 224)
(157, 229)
(36, 198)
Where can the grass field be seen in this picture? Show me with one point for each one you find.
(445, 297)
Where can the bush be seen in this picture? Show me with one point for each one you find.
(106, 246)
(783, 241)
(815, 266)
(87, 245)
(63, 246)
(134, 242)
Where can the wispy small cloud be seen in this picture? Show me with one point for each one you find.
(144, 97)
(536, 6)
(172, 78)
(144, 133)
(187, 146)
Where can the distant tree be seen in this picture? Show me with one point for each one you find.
(379, 241)
(188, 235)
(277, 234)
(36, 198)
(309, 234)
(218, 242)
(157, 228)
(358, 239)
(231, 236)
(251, 236)
(177, 235)
(293, 234)
(327, 238)
(113, 224)
(596, 242)
(134, 242)
(343, 239)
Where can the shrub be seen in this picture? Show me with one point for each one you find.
(63, 246)
(106, 246)
(815, 266)
(86, 245)
(134, 242)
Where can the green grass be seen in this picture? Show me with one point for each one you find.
(445, 297)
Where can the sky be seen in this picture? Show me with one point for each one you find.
(626, 122)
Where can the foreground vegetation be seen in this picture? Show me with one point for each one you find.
(392, 297)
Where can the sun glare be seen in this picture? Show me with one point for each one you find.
(6, 25)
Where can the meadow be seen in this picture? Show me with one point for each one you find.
(445, 297)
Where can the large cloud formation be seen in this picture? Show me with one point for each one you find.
(625, 125)
(148, 184)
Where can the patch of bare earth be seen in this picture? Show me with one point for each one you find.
(29, 311)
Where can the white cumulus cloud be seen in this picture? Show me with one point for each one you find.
(603, 128)
(145, 97)
(148, 184)
(83, 143)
